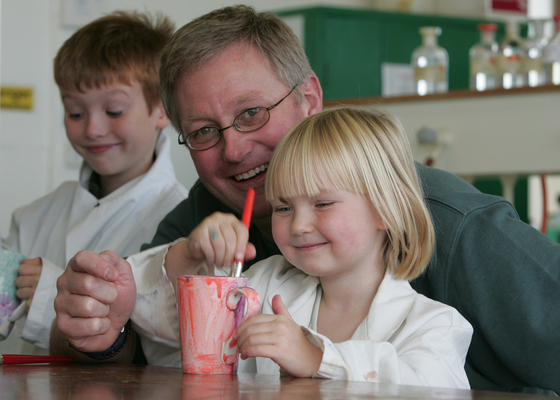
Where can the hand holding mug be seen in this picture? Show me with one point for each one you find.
(210, 310)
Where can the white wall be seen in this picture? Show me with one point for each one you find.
(35, 156)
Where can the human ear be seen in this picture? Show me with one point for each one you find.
(312, 94)
(162, 120)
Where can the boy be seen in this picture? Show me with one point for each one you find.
(108, 76)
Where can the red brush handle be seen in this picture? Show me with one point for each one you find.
(248, 210)
(246, 219)
(29, 359)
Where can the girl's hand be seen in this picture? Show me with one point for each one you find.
(28, 279)
(218, 240)
(279, 338)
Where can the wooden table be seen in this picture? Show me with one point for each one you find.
(112, 382)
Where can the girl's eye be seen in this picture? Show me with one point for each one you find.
(322, 204)
(282, 209)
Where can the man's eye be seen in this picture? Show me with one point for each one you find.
(203, 135)
(251, 112)
(251, 117)
(205, 131)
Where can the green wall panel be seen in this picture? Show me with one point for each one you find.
(346, 47)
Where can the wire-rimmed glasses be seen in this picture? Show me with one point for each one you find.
(248, 120)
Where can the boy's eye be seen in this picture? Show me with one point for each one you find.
(322, 204)
(75, 115)
(114, 113)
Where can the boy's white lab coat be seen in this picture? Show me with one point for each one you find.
(405, 339)
(70, 219)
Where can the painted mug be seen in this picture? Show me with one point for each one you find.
(11, 307)
(210, 310)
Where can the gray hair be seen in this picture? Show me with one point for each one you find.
(206, 37)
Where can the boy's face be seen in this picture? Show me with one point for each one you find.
(111, 128)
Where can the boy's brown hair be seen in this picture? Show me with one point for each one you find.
(119, 47)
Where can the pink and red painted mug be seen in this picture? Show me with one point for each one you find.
(210, 310)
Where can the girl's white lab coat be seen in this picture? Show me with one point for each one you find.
(406, 338)
(70, 219)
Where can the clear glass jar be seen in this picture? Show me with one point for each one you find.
(551, 57)
(510, 57)
(532, 63)
(482, 57)
(430, 63)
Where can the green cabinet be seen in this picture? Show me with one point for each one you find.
(347, 47)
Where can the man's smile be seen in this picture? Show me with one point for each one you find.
(251, 173)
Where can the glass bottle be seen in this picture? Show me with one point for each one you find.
(551, 57)
(482, 56)
(532, 64)
(430, 63)
(510, 56)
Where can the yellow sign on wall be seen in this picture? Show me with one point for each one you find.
(16, 97)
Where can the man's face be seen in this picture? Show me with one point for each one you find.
(214, 95)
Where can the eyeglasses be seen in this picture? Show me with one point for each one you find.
(249, 120)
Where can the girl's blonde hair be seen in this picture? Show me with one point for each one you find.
(367, 153)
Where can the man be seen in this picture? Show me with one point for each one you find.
(230, 66)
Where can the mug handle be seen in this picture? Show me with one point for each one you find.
(229, 348)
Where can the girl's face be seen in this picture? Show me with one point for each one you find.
(334, 234)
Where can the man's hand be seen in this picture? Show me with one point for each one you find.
(279, 338)
(96, 296)
(218, 240)
(28, 279)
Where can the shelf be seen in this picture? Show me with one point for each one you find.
(496, 137)
(454, 94)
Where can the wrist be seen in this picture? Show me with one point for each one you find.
(115, 349)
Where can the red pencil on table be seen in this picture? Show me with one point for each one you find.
(31, 359)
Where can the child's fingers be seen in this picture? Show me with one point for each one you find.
(230, 234)
(27, 281)
(266, 350)
(250, 251)
(253, 325)
(219, 238)
(279, 308)
(25, 293)
(258, 340)
(34, 261)
(29, 269)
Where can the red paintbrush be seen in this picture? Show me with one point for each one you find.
(30, 359)
(246, 218)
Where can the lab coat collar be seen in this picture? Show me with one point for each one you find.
(389, 308)
(298, 297)
(162, 166)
